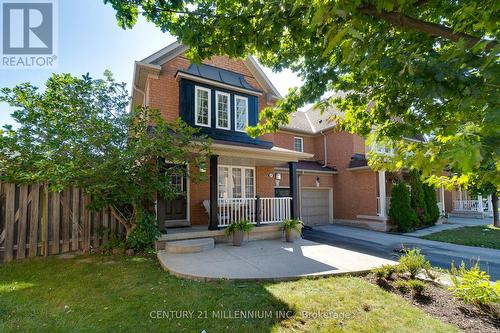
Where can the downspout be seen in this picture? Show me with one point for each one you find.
(324, 146)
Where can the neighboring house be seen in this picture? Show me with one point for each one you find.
(308, 170)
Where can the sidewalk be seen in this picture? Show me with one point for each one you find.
(453, 223)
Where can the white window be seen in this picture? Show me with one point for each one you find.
(202, 106)
(298, 144)
(222, 105)
(236, 182)
(241, 113)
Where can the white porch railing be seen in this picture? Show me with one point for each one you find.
(387, 205)
(255, 210)
(467, 206)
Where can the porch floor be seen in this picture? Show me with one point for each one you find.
(268, 260)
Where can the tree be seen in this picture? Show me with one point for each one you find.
(401, 211)
(417, 197)
(431, 206)
(408, 67)
(77, 132)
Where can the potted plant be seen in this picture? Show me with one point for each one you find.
(237, 230)
(292, 228)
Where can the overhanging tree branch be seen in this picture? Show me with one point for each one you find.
(433, 29)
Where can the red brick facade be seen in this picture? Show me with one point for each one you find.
(354, 192)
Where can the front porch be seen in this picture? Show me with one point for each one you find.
(241, 186)
(480, 207)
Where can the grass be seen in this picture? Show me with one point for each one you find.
(481, 236)
(119, 294)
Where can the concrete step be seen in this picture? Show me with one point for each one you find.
(190, 245)
(468, 214)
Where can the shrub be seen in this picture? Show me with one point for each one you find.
(143, 237)
(417, 286)
(433, 212)
(385, 271)
(241, 225)
(417, 197)
(400, 211)
(402, 286)
(473, 286)
(292, 225)
(413, 262)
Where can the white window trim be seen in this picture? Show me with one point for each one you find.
(229, 190)
(236, 113)
(209, 91)
(301, 143)
(217, 93)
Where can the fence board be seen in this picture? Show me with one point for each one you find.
(32, 218)
(23, 220)
(10, 197)
(55, 221)
(45, 220)
(75, 218)
(65, 217)
(33, 243)
(105, 226)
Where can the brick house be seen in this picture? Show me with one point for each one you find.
(308, 170)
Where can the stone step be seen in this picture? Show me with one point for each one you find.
(190, 245)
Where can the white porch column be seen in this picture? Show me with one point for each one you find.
(460, 193)
(441, 194)
(490, 205)
(479, 203)
(381, 191)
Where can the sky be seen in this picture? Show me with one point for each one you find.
(90, 41)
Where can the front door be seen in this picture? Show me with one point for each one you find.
(173, 212)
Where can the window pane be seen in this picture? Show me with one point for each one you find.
(222, 110)
(223, 180)
(249, 188)
(241, 114)
(202, 101)
(297, 144)
(236, 173)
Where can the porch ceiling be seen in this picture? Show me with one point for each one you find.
(252, 156)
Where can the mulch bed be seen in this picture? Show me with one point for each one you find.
(438, 302)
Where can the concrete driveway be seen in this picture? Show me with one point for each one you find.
(382, 245)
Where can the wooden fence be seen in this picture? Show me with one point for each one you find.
(34, 222)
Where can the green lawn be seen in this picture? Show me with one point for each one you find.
(119, 294)
(482, 236)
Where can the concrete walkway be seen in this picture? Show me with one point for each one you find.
(268, 260)
(453, 223)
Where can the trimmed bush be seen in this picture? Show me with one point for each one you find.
(400, 211)
(431, 206)
(417, 197)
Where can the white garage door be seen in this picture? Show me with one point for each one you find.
(315, 206)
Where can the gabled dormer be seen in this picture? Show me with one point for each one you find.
(219, 102)
(220, 96)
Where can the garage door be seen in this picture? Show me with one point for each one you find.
(315, 206)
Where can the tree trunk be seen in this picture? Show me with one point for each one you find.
(494, 205)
